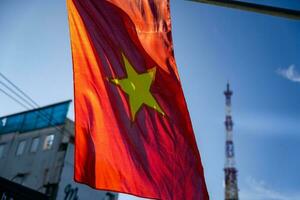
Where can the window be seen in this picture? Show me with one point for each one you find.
(63, 147)
(21, 148)
(35, 144)
(2, 150)
(48, 142)
(109, 196)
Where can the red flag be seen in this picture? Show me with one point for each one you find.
(133, 130)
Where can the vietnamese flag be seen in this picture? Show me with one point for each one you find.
(133, 130)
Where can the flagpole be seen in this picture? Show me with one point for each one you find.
(258, 8)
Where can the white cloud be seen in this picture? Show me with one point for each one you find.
(290, 73)
(259, 190)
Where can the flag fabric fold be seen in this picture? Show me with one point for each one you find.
(133, 133)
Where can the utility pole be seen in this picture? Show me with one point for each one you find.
(258, 8)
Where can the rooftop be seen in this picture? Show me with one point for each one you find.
(43, 117)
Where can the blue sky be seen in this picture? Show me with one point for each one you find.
(258, 54)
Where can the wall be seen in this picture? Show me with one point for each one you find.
(70, 190)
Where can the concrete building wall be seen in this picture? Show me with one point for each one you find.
(47, 170)
(70, 190)
(37, 170)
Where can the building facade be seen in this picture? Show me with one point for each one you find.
(13, 191)
(36, 151)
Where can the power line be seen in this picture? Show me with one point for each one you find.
(40, 113)
(14, 99)
(258, 8)
(17, 88)
(15, 93)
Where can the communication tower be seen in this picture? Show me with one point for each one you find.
(231, 186)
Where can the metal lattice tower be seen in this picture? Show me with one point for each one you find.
(231, 187)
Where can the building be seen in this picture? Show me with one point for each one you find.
(13, 191)
(231, 186)
(37, 150)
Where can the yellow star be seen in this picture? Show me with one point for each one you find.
(137, 86)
